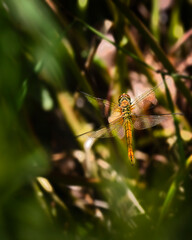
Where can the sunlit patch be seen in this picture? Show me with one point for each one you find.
(159, 158)
(58, 156)
(88, 144)
(171, 141)
(80, 155)
(82, 4)
(189, 162)
(103, 164)
(45, 184)
(104, 151)
(178, 31)
(141, 155)
(134, 200)
(47, 101)
(186, 135)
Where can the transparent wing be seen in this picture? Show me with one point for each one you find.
(146, 100)
(115, 128)
(147, 121)
(108, 107)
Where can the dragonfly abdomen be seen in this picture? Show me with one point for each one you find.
(129, 138)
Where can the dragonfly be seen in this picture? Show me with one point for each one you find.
(127, 115)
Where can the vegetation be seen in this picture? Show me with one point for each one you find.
(55, 185)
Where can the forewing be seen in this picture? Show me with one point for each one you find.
(146, 100)
(147, 121)
(106, 106)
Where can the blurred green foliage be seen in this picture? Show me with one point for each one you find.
(52, 187)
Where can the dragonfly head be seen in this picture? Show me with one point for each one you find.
(124, 98)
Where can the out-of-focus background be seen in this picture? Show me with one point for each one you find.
(55, 185)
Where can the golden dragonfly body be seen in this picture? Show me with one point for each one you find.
(127, 115)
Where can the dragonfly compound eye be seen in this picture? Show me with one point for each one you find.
(124, 97)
